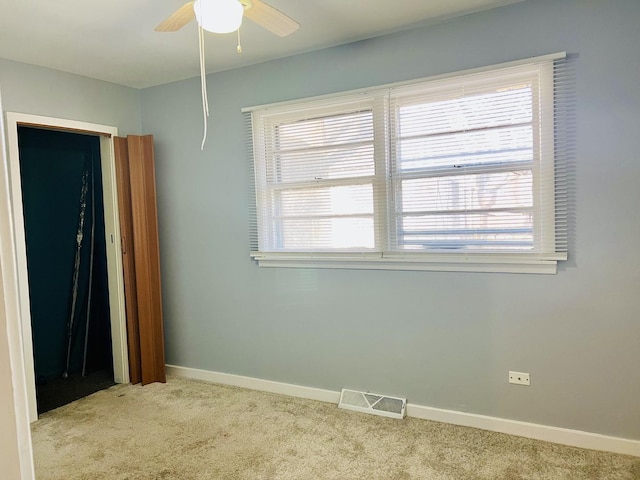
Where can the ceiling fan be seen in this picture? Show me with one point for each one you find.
(224, 16)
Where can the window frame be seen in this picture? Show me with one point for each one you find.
(384, 256)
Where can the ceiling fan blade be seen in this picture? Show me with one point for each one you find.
(177, 19)
(268, 17)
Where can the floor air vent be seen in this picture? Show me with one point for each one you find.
(373, 403)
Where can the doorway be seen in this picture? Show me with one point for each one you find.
(63, 210)
(110, 240)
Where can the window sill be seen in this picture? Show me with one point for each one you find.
(462, 262)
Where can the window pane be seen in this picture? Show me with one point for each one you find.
(326, 217)
(323, 164)
(492, 109)
(332, 200)
(477, 231)
(326, 233)
(501, 190)
(494, 146)
(325, 131)
(335, 146)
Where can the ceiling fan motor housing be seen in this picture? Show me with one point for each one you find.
(218, 16)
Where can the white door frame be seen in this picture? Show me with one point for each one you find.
(112, 234)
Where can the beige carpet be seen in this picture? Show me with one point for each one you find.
(195, 430)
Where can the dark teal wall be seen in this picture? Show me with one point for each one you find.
(52, 165)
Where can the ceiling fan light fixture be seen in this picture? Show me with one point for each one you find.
(218, 16)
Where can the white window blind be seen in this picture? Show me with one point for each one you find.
(319, 179)
(464, 172)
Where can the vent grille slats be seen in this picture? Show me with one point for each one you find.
(376, 404)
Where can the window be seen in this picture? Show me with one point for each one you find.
(462, 172)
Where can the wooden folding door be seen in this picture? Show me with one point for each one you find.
(135, 170)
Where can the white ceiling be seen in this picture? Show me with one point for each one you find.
(114, 40)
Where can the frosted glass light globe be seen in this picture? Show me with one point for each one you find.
(218, 16)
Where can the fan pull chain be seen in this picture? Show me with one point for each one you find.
(239, 47)
(203, 84)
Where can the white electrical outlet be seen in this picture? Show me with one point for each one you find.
(519, 378)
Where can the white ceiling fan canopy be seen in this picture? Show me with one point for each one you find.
(218, 16)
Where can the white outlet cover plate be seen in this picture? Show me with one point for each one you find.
(519, 378)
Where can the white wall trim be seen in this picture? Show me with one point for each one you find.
(289, 389)
(564, 436)
(10, 310)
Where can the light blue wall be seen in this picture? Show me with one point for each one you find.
(51, 93)
(441, 339)
(46, 92)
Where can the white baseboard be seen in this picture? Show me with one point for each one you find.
(256, 384)
(564, 436)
